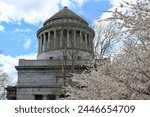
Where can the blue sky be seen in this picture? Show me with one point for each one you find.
(20, 20)
(19, 37)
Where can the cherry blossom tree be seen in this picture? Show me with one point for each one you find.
(3, 83)
(106, 36)
(136, 15)
(127, 76)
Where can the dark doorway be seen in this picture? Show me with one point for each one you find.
(38, 97)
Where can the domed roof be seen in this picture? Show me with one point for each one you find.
(65, 13)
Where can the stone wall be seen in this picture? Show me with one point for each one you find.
(56, 62)
(29, 93)
(41, 78)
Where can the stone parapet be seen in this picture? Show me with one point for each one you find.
(40, 62)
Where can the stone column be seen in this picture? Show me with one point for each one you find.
(54, 41)
(81, 42)
(85, 34)
(57, 97)
(68, 39)
(88, 42)
(39, 49)
(49, 36)
(44, 97)
(40, 41)
(61, 34)
(44, 44)
(74, 32)
(92, 44)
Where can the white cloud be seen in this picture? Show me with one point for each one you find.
(22, 30)
(33, 11)
(65, 2)
(30, 11)
(27, 43)
(73, 3)
(2, 28)
(8, 63)
(115, 4)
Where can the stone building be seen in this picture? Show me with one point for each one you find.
(65, 44)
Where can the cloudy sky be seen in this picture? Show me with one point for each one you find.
(20, 20)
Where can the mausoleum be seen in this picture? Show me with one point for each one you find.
(65, 45)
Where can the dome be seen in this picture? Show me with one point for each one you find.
(65, 13)
(67, 31)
